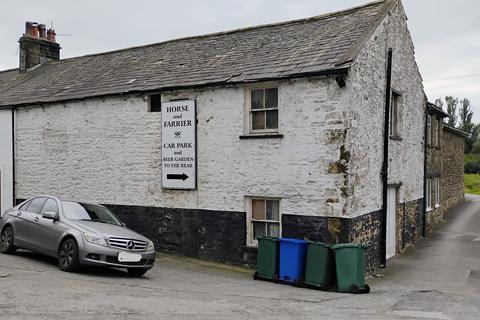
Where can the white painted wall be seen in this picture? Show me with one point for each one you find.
(108, 151)
(367, 80)
(6, 181)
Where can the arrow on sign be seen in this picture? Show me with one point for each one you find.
(182, 176)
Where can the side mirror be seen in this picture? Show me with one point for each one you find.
(50, 215)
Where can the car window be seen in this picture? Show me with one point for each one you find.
(36, 205)
(89, 212)
(50, 206)
(24, 206)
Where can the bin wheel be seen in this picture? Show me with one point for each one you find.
(366, 289)
(255, 276)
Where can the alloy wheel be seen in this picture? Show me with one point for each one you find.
(6, 238)
(66, 254)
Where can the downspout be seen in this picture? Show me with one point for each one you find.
(424, 222)
(13, 157)
(383, 242)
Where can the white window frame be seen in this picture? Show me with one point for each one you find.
(394, 125)
(437, 192)
(263, 86)
(428, 195)
(429, 130)
(248, 204)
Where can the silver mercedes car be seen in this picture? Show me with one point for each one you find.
(76, 234)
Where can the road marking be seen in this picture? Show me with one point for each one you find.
(476, 239)
(421, 314)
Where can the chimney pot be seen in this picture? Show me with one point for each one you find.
(34, 29)
(51, 35)
(42, 29)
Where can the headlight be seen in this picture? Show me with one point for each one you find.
(95, 239)
(150, 246)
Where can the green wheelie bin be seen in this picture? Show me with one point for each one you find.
(350, 267)
(267, 259)
(320, 266)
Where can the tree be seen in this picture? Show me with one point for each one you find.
(452, 110)
(439, 103)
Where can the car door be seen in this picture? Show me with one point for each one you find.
(31, 218)
(48, 231)
(20, 225)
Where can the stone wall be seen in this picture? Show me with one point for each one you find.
(452, 186)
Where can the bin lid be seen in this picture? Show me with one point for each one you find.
(348, 245)
(267, 239)
(319, 244)
(291, 240)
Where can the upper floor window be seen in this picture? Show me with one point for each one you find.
(155, 103)
(429, 130)
(264, 110)
(395, 120)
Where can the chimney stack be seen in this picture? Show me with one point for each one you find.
(37, 46)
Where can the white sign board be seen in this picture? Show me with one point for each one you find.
(179, 145)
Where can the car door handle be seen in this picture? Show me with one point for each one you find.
(19, 213)
(36, 219)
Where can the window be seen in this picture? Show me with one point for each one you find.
(395, 115)
(24, 206)
(437, 192)
(155, 103)
(434, 134)
(264, 110)
(429, 130)
(36, 205)
(265, 218)
(428, 196)
(50, 206)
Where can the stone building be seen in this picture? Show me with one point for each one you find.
(444, 175)
(312, 128)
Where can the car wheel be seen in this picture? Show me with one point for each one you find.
(6, 240)
(68, 255)
(137, 272)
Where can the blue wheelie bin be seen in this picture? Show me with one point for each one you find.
(292, 260)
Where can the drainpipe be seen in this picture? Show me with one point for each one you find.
(424, 222)
(13, 157)
(383, 242)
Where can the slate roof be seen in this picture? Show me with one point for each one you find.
(316, 45)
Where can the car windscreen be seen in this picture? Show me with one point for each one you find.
(89, 212)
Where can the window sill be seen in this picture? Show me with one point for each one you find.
(437, 206)
(396, 138)
(261, 136)
(429, 209)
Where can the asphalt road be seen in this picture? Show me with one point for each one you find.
(438, 279)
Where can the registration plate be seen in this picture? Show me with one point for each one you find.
(129, 257)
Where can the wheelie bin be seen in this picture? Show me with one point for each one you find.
(267, 259)
(292, 260)
(320, 266)
(350, 267)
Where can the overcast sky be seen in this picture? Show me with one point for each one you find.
(446, 33)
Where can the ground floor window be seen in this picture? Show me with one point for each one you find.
(264, 217)
(437, 192)
(428, 196)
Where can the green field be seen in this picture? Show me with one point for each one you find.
(472, 183)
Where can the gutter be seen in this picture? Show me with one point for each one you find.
(383, 240)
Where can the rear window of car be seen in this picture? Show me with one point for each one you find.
(24, 206)
(36, 205)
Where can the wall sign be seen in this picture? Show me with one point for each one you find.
(179, 145)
